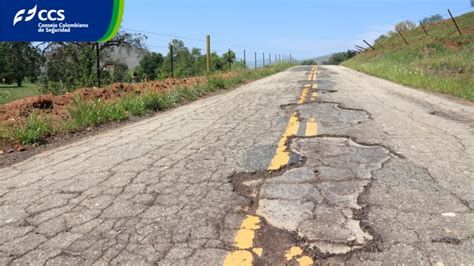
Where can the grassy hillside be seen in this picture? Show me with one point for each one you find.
(443, 62)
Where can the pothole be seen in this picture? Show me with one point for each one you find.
(316, 201)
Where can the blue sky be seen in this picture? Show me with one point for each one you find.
(305, 28)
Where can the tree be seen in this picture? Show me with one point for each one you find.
(150, 66)
(432, 19)
(73, 65)
(19, 60)
(381, 38)
(338, 58)
(405, 26)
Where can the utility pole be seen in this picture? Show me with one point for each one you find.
(208, 57)
(245, 60)
(97, 48)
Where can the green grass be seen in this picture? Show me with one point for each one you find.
(10, 93)
(443, 62)
(33, 131)
(84, 114)
(88, 114)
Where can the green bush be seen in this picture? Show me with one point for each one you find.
(34, 131)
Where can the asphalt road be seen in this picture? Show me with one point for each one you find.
(308, 166)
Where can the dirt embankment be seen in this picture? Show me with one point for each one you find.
(55, 107)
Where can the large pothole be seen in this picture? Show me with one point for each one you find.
(318, 201)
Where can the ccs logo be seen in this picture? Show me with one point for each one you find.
(43, 15)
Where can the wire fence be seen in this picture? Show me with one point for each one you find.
(365, 45)
(244, 54)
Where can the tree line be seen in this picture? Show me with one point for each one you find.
(64, 67)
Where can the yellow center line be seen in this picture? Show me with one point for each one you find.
(304, 93)
(282, 156)
(243, 242)
(311, 128)
(244, 238)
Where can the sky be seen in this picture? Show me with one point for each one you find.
(304, 28)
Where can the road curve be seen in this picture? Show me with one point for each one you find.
(311, 165)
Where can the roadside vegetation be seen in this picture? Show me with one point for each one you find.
(441, 62)
(83, 114)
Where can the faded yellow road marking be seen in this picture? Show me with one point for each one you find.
(297, 252)
(239, 258)
(293, 253)
(305, 261)
(311, 128)
(258, 251)
(303, 96)
(243, 242)
(282, 156)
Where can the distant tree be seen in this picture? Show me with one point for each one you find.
(19, 60)
(338, 58)
(150, 65)
(120, 72)
(405, 26)
(381, 38)
(432, 19)
(309, 62)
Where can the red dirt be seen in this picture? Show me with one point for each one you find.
(56, 106)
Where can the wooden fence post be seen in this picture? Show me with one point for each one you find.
(245, 60)
(97, 47)
(171, 61)
(256, 60)
(208, 49)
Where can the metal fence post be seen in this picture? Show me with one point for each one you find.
(369, 45)
(403, 37)
(424, 29)
(455, 23)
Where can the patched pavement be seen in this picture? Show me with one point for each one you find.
(309, 166)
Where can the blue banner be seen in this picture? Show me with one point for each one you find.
(60, 20)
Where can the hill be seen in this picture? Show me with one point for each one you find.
(442, 62)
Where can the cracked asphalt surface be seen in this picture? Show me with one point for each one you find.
(378, 173)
